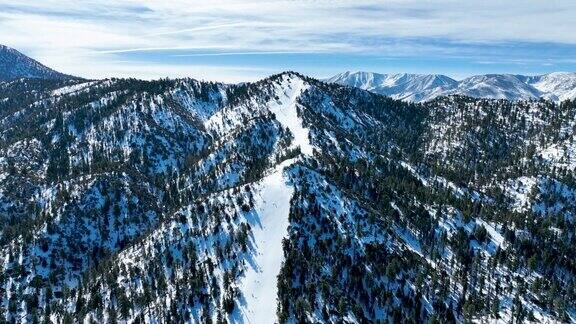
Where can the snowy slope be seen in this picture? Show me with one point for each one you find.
(259, 287)
(259, 284)
(555, 86)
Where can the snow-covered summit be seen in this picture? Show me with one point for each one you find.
(285, 110)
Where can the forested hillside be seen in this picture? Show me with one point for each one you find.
(166, 201)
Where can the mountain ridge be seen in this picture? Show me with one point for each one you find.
(555, 86)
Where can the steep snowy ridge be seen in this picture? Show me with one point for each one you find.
(558, 86)
(285, 110)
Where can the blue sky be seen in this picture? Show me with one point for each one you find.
(234, 41)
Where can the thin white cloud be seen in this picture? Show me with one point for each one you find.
(242, 53)
(92, 33)
(198, 29)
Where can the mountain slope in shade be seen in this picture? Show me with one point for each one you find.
(558, 86)
(15, 65)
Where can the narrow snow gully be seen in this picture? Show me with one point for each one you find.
(259, 286)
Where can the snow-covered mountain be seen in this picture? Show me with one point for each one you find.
(557, 86)
(15, 65)
(408, 87)
(494, 86)
(283, 200)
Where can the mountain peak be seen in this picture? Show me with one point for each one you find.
(15, 65)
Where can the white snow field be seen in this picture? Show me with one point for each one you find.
(286, 114)
(259, 286)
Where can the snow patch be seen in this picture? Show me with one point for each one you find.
(73, 88)
(498, 239)
(519, 190)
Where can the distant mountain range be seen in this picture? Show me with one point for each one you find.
(15, 65)
(557, 86)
